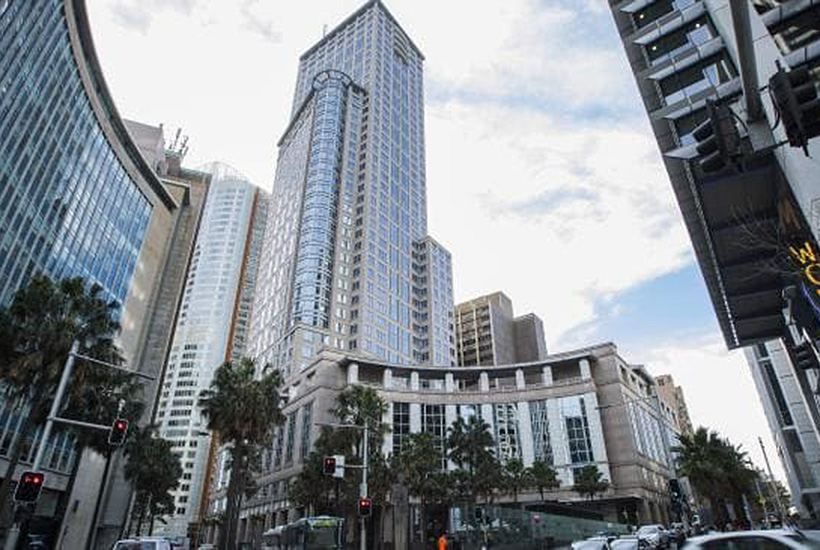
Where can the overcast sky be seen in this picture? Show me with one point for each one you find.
(543, 177)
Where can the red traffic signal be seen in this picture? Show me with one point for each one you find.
(365, 507)
(329, 465)
(118, 432)
(29, 487)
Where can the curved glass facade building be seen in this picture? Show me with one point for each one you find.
(74, 198)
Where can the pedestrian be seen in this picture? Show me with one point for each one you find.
(442, 541)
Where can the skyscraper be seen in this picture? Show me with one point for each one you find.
(487, 333)
(346, 252)
(213, 317)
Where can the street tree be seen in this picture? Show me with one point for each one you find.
(36, 334)
(242, 412)
(154, 471)
(718, 470)
(590, 482)
(544, 477)
(516, 478)
(470, 447)
(419, 463)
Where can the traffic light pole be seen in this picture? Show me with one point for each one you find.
(363, 487)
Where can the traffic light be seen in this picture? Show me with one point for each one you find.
(794, 95)
(718, 140)
(118, 432)
(674, 489)
(804, 357)
(365, 507)
(334, 466)
(29, 487)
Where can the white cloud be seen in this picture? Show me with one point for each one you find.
(558, 216)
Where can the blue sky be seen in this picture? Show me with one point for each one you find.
(544, 180)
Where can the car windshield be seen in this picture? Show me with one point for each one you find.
(135, 545)
(588, 545)
(624, 544)
(647, 529)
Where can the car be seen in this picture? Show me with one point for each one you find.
(206, 547)
(655, 536)
(592, 543)
(628, 543)
(778, 539)
(149, 543)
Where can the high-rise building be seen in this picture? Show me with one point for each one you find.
(790, 418)
(753, 219)
(347, 262)
(672, 396)
(487, 333)
(77, 198)
(212, 320)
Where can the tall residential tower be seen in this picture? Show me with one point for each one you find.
(346, 260)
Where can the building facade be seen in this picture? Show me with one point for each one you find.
(573, 409)
(346, 258)
(213, 317)
(672, 396)
(77, 198)
(487, 333)
(754, 225)
(789, 413)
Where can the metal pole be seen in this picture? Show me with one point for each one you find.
(363, 487)
(776, 498)
(763, 502)
(746, 55)
(55, 405)
(14, 532)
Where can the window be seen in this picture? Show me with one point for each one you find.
(432, 422)
(307, 420)
(291, 438)
(577, 426)
(401, 425)
(542, 449)
(507, 440)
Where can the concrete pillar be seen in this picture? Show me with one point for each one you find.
(449, 384)
(353, 373)
(558, 438)
(520, 381)
(414, 381)
(450, 418)
(488, 416)
(415, 417)
(483, 382)
(387, 441)
(546, 376)
(525, 433)
(596, 431)
(387, 378)
(586, 374)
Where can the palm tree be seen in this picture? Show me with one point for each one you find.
(544, 477)
(154, 471)
(470, 446)
(517, 478)
(589, 482)
(36, 334)
(717, 469)
(242, 412)
(419, 463)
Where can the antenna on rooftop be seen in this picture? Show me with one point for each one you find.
(324, 30)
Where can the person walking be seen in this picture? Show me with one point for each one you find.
(442, 541)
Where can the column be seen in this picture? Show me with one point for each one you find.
(520, 381)
(387, 378)
(596, 430)
(558, 441)
(415, 418)
(353, 373)
(483, 382)
(450, 418)
(525, 433)
(449, 384)
(387, 440)
(414, 381)
(546, 376)
(585, 371)
(488, 416)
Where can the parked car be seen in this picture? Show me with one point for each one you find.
(779, 539)
(628, 542)
(150, 543)
(592, 543)
(655, 536)
(677, 533)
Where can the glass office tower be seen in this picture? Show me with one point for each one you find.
(68, 204)
(345, 262)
